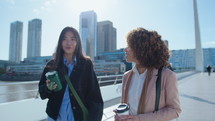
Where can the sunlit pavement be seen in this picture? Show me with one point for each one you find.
(197, 96)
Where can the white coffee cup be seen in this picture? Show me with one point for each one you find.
(122, 109)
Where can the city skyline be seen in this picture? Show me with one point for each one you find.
(102, 38)
(173, 20)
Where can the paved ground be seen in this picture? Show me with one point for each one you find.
(197, 96)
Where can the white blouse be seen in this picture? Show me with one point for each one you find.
(135, 90)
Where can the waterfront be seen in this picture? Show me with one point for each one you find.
(13, 91)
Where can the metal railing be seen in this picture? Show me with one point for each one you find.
(13, 91)
(29, 89)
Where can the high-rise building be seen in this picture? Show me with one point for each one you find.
(106, 37)
(88, 32)
(15, 49)
(166, 43)
(34, 38)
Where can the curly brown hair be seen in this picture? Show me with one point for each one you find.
(148, 48)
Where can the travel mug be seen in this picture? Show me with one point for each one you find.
(54, 79)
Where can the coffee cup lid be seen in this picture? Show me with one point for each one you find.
(50, 73)
(122, 108)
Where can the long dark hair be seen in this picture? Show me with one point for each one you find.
(58, 56)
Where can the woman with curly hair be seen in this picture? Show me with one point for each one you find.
(149, 53)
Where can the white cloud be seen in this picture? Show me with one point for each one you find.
(46, 6)
(36, 11)
(47, 3)
(11, 1)
(209, 44)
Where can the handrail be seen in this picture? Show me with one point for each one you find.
(22, 88)
(30, 89)
(101, 79)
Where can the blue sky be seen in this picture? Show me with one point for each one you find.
(172, 19)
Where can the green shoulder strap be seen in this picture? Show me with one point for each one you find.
(84, 109)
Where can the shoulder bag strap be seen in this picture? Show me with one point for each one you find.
(158, 89)
(84, 109)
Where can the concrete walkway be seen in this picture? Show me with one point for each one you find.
(197, 96)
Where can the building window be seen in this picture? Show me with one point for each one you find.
(84, 23)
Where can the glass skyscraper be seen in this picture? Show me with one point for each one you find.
(106, 37)
(34, 38)
(16, 35)
(88, 32)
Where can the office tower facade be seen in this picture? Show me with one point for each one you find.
(88, 32)
(183, 60)
(209, 57)
(34, 38)
(15, 47)
(199, 54)
(166, 43)
(106, 37)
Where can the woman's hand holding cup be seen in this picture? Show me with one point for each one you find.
(51, 85)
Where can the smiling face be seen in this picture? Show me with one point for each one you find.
(69, 43)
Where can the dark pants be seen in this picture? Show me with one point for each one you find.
(209, 73)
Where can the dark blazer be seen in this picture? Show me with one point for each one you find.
(85, 83)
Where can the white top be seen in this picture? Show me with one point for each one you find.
(135, 90)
